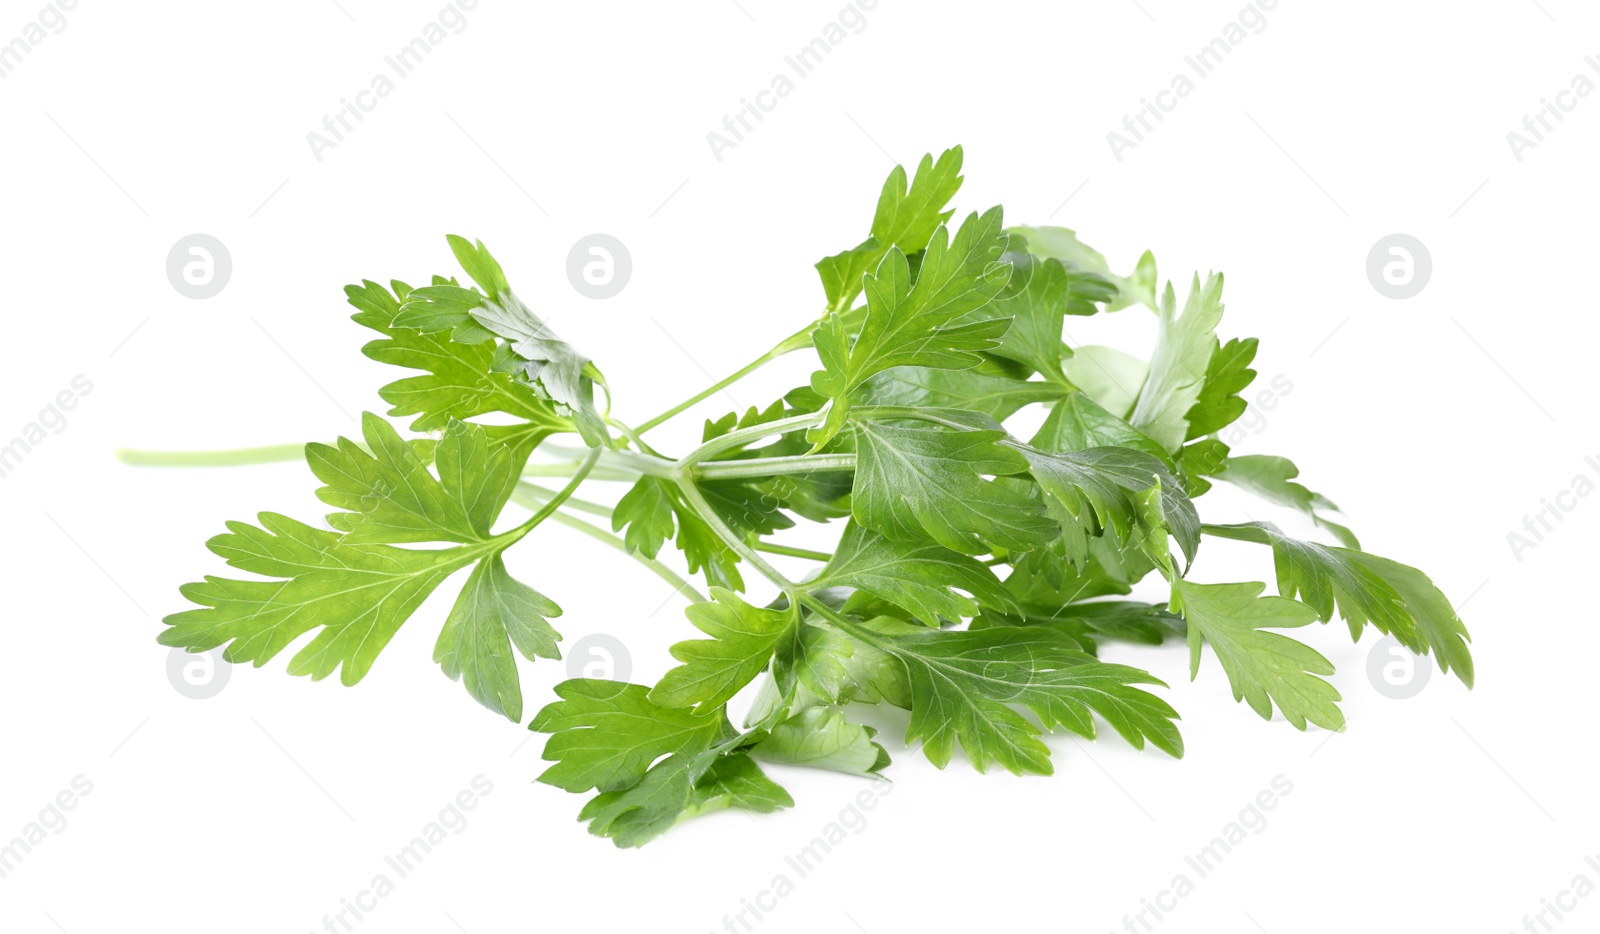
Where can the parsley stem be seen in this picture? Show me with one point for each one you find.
(236, 457)
(544, 512)
(697, 502)
(775, 549)
(523, 496)
(744, 436)
(796, 341)
(774, 466)
(538, 495)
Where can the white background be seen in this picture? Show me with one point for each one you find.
(1437, 422)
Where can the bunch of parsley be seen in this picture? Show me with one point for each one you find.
(975, 574)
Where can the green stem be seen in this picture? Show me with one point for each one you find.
(797, 341)
(697, 502)
(237, 457)
(544, 512)
(567, 470)
(541, 494)
(522, 496)
(744, 436)
(774, 466)
(773, 549)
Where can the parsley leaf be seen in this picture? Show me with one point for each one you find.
(915, 575)
(905, 220)
(1178, 368)
(915, 323)
(926, 481)
(1264, 668)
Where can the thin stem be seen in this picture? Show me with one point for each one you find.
(237, 457)
(541, 494)
(773, 466)
(632, 435)
(697, 502)
(567, 470)
(744, 436)
(710, 391)
(544, 512)
(775, 549)
(522, 496)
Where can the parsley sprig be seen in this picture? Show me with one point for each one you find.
(976, 574)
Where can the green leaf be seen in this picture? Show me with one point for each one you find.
(742, 641)
(821, 738)
(915, 324)
(1077, 423)
(925, 481)
(357, 594)
(1036, 299)
(905, 219)
(646, 510)
(1178, 367)
(677, 788)
(1264, 668)
(457, 384)
(915, 575)
(390, 497)
(606, 734)
(1108, 376)
(1227, 375)
(964, 686)
(1397, 600)
(998, 397)
(1272, 479)
(565, 375)
(1098, 491)
(1061, 244)
(493, 613)
(819, 664)
(475, 259)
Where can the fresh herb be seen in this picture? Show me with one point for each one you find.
(976, 574)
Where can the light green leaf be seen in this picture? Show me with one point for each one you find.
(457, 381)
(821, 738)
(1272, 479)
(905, 219)
(1397, 600)
(742, 641)
(390, 497)
(1108, 376)
(1061, 244)
(1264, 668)
(1178, 367)
(493, 613)
(358, 595)
(606, 734)
(1099, 490)
(1077, 423)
